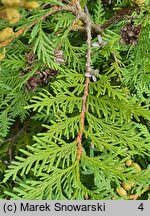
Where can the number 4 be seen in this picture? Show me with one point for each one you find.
(141, 207)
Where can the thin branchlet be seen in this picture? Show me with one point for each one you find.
(23, 29)
(77, 11)
(86, 85)
(75, 8)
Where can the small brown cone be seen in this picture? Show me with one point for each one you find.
(130, 34)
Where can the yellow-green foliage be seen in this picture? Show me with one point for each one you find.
(49, 99)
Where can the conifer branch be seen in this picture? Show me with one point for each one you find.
(81, 15)
(78, 5)
(90, 130)
(119, 15)
(135, 196)
(86, 85)
(77, 11)
(14, 138)
(23, 29)
(17, 34)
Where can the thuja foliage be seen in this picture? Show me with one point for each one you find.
(75, 95)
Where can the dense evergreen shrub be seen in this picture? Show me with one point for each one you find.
(74, 102)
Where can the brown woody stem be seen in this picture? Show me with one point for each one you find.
(86, 86)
